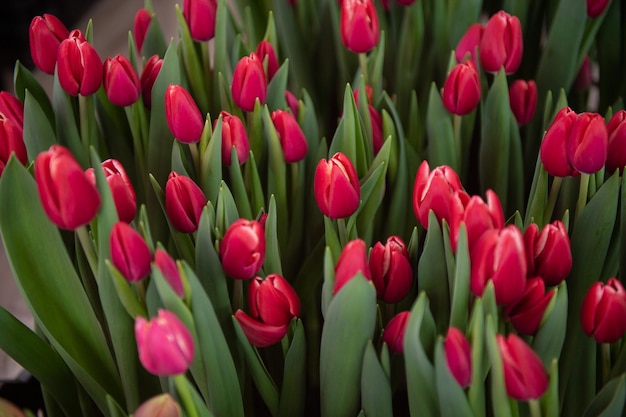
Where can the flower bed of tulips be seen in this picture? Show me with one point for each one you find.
(310, 207)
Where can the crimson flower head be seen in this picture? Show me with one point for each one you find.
(184, 202)
(526, 314)
(142, 21)
(11, 142)
(360, 29)
(502, 43)
(242, 250)
(353, 259)
(273, 304)
(525, 377)
(461, 90)
(479, 216)
(596, 7)
(68, 197)
(603, 312)
(183, 115)
(523, 100)
(391, 269)
(616, 158)
(78, 66)
(130, 253)
(266, 50)
(12, 108)
(458, 356)
(291, 136)
(169, 269)
(336, 187)
(553, 151)
(234, 135)
(200, 17)
(249, 82)
(121, 188)
(45, 35)
(165, 345)
(148, 77)
(121, 82)
(469, 43)
(549, 253)
(393, 335)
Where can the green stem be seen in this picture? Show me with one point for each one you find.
(535, 408)
(343, 232)
(195, 156)
(363, 66)
(237, 300)
(182, 386)
(457, 140)
(582, 193)
(606, 362)
(554, 194)
(87, 245)
(85, 110)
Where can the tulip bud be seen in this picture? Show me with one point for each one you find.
(291, 136)
(525, 377)
(292, 102)
(353, 259)
(469, 43)
(12, 108)
(165, 345)
(121, 188)
(11, 142)
(260, 334)
(242, 250)
(68, 197)
(360, 30)
(142, 21)
(479, 217)
(249, 82)
(148, 77)
(168, 268)
(263, 50)
(549, 254)
(458, 356)
(200, 17)
(393, 335)
(233, 135)
(499, 256)
(160, 406)
(603, 311)
(391, 270)
(45, 35)
(553, 151)
(502, 43)
(596, 7)
(79, 67)
(273, 300)
(130, 253)
(588, 143)
(336, 187)
(461, 91)
(583, 78)
(523, 100)
(184, 202)
(526, 314)
(183, 115)
(616, 158)
(121, 82)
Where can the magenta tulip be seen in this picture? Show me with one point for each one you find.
(242, 250)
(336, 187)
(130, 253)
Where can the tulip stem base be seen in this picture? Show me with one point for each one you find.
(237, 294)
(535, 408)
(554, 194)
(363, 66)
(182, 387)
(606, 362)
(343, 233)
(90, 253)
(582, 193)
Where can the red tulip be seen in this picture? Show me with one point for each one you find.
(336, 187)
(11, 142)
(169, 269)
(200, 17)
(391, 270)
(234, 135)
(45, 35)
(292, 102)
(291, 136)
(393, 334)
(469, 43)
(148, 77)
(273, 300)
(523, 99)
(142, 21)
(68, 197)
(130, 253)
(360, 29)
(12, 108)
(588, 143)
(525, 377)
(266, 50)
(121, 188)
(603, 311)
(502, 43)
(458, 356)
(121, 82)
(461, 91)
(353, 259)
(596, 7)
(249, 82)
(79, 67)
(526, 314)
(499, 256)
(183, 115)
(184, 202)
(165, 345)
(258, 333)
(553, 151)
(616, 157)
(549, 254)
(479, 217)
(242, 250)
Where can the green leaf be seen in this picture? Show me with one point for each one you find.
(275, 99)
(610, 400)
(476, 392)
(461, 288)
(293, 392)
(349, 325)
(67, 127)
(375, 388)
(154, 42)
(548, 342)
(442, 149)
(211, 164)
(272, 262)
(277, 177)
(550, 400)
(452, 399)
(499, 396)
(38, 133)
(24, 81)
(239, 187)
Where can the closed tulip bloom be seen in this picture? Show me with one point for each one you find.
(458, 356)
(11, 142)
(45, 35)
(523, 99)
(479, 216)
(353, 259)
(130, 253)
(12, 108)
(469, 43)
(527, 313)
(183, 115)
(79, 67)
(121, 83)
(603, 311)
(588, 144)
(553, 152)
(162, 405)
(233, 135)
(184, 202)
(391, 269)
(242, 250)
(461, 90)
(142, 21)
(165, 345)
(169, 269)
(68, 197)
(121, 188)
(616, 158)
(200, 17)
(249, 82)
(502, 43)
(549, 253)
(292, 102)
(336, 187)
(266, 50)
(525, 377)
(291, 136)
(596, 7)
(499, 256)
(360, 29)
(260, 334)
(393, 334)
(148, 77)
(273, 300)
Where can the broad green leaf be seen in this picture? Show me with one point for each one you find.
(66, 124)
(548, 342)
(550, 400)
(38, 133)
(272, 264)
(442, 149)
(376, 396)
(211, 164)
(452, 399)
(293, 391)
(460, 294)
(239, 187)
(610, 400)
(275, 99)
(23, 81)
(476, 392)
(499, 396)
